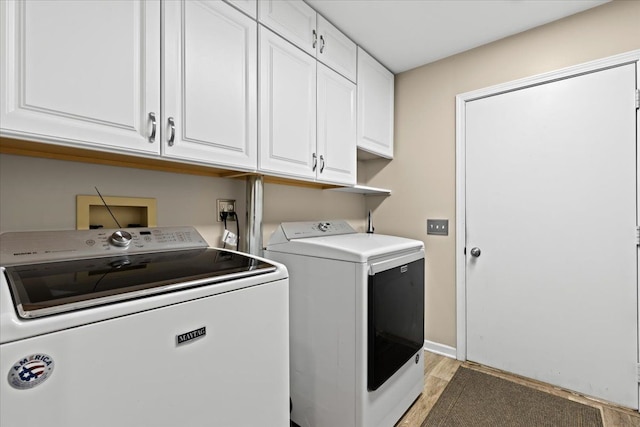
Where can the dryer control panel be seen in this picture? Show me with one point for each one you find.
(302, 230)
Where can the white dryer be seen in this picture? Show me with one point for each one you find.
(356, 308)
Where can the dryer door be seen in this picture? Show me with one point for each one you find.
(395, 317)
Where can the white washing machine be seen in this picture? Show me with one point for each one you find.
(162, 331)
(356, 306)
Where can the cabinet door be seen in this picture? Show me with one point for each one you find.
(375, 106)
(81, 73)
(292, 19)
(250, 7)
(210, 84)
(336, 128)
(287, 108)
(336, 50)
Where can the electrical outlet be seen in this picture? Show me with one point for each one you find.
(225, 205)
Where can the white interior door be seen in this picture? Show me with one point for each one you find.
(551, 204)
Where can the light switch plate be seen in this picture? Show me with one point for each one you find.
(439, 227)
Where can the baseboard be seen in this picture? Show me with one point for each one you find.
(441, 349)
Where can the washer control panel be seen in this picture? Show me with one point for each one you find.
(26, 247)
(302, 230)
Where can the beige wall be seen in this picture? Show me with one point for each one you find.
(422, 174)
(40, 194)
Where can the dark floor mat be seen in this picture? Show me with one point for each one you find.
(473, 398)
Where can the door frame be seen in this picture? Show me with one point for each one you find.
(461, 235)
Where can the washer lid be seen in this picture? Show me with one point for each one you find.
(58, 287)
(356, 247)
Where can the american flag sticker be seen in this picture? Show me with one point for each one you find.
(30, 371)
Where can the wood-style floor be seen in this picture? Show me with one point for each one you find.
(438, 370)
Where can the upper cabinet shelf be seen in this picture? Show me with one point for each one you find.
(364, 189)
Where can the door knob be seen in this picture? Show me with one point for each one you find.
(476, 252)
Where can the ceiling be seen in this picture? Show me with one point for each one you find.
(404, 34)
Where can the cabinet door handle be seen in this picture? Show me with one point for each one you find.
(152, 117)
(315, 162)
(172, 127)
(321, 43)
(321, 163)
(315, 38)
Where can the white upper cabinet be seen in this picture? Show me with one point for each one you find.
(307, 116)
(88, 74)
(336, 50)
(209, 112)
(81, 73)
(287, 108)
(292, 19)
(301, 25)
(336, 128)
(375, 106)
(250, 7)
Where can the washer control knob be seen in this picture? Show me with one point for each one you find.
(120, 238)
(323, 226)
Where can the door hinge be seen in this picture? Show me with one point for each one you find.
(639, 372)
(637, 99)
(638, 235)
